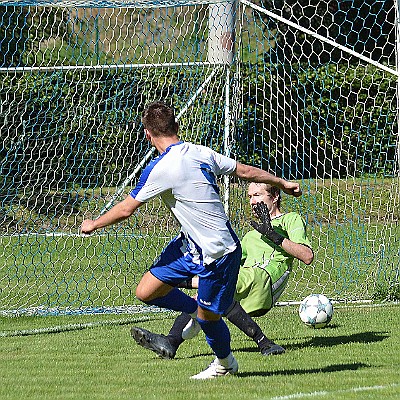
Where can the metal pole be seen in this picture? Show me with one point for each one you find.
(221, 42)
(97, 36)
(221, 29)
(227, 149)
(397, 11)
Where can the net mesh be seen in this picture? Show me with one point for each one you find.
(309, 91)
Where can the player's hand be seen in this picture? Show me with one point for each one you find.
(87, 226)
(292, 188)
(262, 212)
(265, 226)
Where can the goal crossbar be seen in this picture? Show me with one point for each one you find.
(320, 37)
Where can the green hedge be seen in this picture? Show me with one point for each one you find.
(334, 120)
(72, 128)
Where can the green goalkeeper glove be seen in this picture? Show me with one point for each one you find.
(265, 226)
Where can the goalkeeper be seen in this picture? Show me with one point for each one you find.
(268, 252)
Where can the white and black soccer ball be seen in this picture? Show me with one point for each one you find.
(316, 310)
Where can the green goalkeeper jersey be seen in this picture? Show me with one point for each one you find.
(259, 251)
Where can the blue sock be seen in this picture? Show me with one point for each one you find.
(218, 336)
(176, 300)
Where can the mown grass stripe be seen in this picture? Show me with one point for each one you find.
(71, 327)
(326, 393)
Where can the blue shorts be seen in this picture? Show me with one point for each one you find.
(217, 281)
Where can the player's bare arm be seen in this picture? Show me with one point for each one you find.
(299, 251)
(118, 213)
(254, 174)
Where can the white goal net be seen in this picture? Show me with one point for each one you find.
(306, 89)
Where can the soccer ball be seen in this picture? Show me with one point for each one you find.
(316, 310)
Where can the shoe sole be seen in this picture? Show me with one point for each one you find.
(143, 339)
(188, 334)
(214, 376)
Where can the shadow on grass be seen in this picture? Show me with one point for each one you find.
(329, 368)
(329, 341)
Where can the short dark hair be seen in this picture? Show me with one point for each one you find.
(274, 191)
(159, 119)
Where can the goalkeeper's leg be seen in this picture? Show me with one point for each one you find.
(238, 316)
(167, 346)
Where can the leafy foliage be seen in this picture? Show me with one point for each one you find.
(366, 26)
(19, 30)
(336, 119)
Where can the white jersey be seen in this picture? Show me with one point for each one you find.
(184, 177)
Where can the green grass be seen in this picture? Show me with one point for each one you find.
(355, 357)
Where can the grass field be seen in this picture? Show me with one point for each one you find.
(94, 357)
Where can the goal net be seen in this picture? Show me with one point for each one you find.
(306, 89)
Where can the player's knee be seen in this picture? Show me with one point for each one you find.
(258, 313)
(143, 295)
(207, 315)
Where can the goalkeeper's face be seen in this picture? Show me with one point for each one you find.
(258, 193)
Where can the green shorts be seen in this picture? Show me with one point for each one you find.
(254, 291)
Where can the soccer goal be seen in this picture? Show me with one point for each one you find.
(306, 89)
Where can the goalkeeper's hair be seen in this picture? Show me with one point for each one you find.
(274, 191)
(160, 119)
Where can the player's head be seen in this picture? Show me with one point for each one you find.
(264, 192)
(159, 119)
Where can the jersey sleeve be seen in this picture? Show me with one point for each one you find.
(296, 229)
(244, 243)
(149, 185)
(223, 165)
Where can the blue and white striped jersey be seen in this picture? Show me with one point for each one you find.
(185, 178)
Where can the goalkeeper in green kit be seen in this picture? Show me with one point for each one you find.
(268, 252)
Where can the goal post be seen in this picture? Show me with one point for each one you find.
(296, 90)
